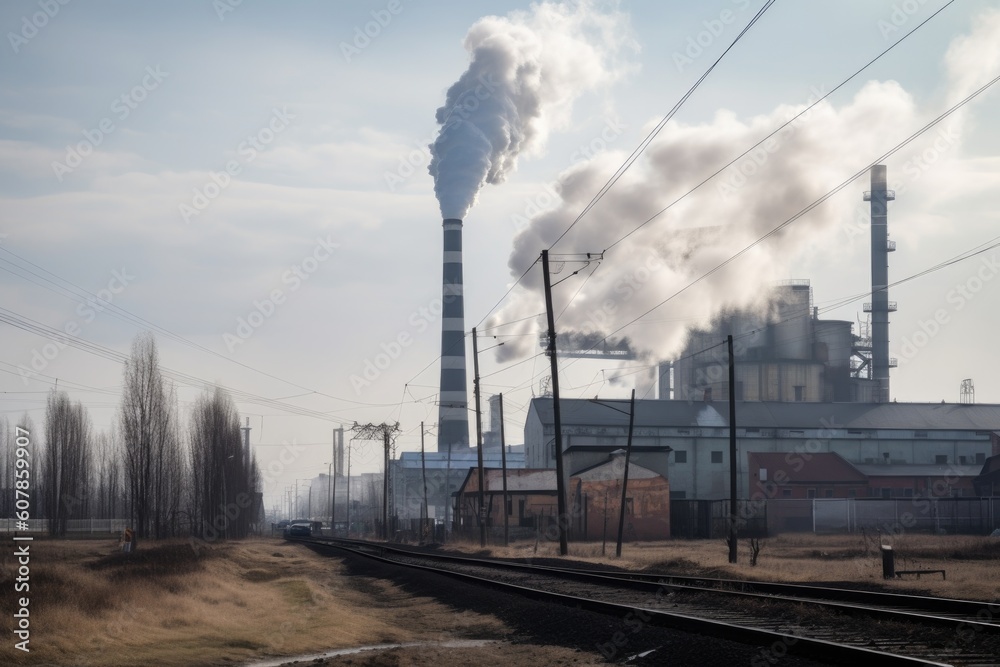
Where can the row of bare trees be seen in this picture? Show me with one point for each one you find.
(224, 473)
(142, 470)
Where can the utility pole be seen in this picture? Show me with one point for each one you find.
(335, 466)
(628, 455)
(732, 451)
(447, 497)
(246, 441)
(387, 434)
(329, 481)
(556, 415)
(423, 475)
(349, 491)
(503, 464)
(479, 440)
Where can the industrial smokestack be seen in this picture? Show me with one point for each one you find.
(525, 71)
(880, 306)
(453, 402)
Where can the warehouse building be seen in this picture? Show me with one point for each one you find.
(688, 442)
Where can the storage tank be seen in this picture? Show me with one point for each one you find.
(793, 321)
(834, 341)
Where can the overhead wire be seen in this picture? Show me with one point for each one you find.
(811, 206)
(781, 127)
(76, 293)
(659, 126)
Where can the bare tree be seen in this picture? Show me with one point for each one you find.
(225, 475)
(108, 493)
(66, 462)
(7, 467)
(34, 466)
(152, 460)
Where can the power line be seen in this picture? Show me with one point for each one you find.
(75, 293)
(656, 130)
(811, 206)
(781, 127)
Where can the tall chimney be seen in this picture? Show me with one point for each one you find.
(453, 405)
(880, 305)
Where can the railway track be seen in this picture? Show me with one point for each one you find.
(828, 624)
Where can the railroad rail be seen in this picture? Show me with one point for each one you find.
(829, 624)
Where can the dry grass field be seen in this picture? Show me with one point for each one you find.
(240, 602)
(972, 564)
(243, 602)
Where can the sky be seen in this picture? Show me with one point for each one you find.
(249, 181)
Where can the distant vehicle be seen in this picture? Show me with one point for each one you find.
(301, 528)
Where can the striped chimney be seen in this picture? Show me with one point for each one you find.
(453, 406)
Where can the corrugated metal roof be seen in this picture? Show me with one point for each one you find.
(749, 414)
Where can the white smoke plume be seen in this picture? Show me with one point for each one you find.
(525, 72)
(834, 140)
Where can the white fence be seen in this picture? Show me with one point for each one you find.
(74, 527)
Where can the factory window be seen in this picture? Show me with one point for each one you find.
(980, 458)
(678, 495)
(520, 508)
(828, 493)
(810, 493)
(510, 506)
(941, 459)
(852, 493)
(800, 392)
(908, 493)
(786, 493)
(680, 456)
(753, 430)
(886, 493)
(717, 456)
(920, 434)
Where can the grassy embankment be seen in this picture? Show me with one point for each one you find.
(165, 605)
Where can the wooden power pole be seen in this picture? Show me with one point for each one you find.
(732, 451)
(562, 519)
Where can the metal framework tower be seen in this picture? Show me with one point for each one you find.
(967, 392)
(453, 401)
(880, 306)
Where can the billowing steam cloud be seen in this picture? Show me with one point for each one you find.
(526, 71)
(790, 171)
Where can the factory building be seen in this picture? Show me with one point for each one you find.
(444, 473)
(783, 353)
(688, 443)
(596, 492)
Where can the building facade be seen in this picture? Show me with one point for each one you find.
(688, 442)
